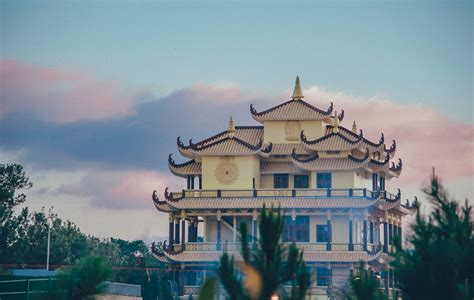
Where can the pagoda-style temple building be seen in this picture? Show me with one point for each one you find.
(329, 181)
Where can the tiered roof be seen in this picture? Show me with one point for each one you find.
(298, 156)
(292, 110)
(316, 163)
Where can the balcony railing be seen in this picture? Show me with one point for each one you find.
(281, 193)
(226, 246)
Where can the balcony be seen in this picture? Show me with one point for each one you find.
(252, 193)
(212, 246)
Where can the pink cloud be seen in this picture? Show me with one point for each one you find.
(425, 137)
(61, 94)
(125, 189)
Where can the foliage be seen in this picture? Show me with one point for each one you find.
(441, 266)
(12, 179)
(361, 286)
(87, 280)
(267, 268)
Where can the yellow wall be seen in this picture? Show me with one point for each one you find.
(340, 229)
(266, 181)
(363, 179)
(248, 168)
(275, 131)
(342, 180)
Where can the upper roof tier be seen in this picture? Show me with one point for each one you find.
(292, 110)
(249, 135)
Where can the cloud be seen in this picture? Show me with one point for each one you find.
(425, 137)
(129, 189)
(62, 94)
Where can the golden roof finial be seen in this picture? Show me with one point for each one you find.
(231, 125)
(354, 127)
(297, 92)
(335, 123)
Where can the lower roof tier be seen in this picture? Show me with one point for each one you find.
(199, 200)
(308, 256)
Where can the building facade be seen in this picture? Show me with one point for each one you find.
(328, 180)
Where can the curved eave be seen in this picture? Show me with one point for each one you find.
(283, 202)
(331, 164)
(407, 210)
(308, 256)
(186, 152)
(189, 168)
(162, 258)
(163, 206)
(366, 144)
(229, 146)
(331, 142)
(292, 110)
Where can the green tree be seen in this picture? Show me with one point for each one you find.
(362, 285)
(267, 268)
(12, 180)
(441, 263)
(86, 280)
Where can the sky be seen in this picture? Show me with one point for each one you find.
(94, 93)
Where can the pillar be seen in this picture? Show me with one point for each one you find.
(176, 231)
(183, 233)
(371, 232)
(195, 230)
(385, 236)
(254, 227)
(400, 235)
(171, 232)
(364, 234)
(351, 241)
(329, 226)
(218, 237)
(190, 231)
(234, 231)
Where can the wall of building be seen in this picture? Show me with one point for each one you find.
(278, 131)
(342, 180)
(313, 221)
(340, 229)
(243, 168)
(363, 179)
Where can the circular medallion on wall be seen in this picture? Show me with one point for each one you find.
(292, 131)
(227, 172)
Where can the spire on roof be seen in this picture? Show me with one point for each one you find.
(231, 125)
(354, 127)
(297, 92)
(335, 123)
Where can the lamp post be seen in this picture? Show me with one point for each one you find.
(50, 224)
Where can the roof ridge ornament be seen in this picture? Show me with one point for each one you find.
(335, 123)
(231, 126)
(354, 127)
(297, 91)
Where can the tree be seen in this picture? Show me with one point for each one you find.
(87, 280)
(361, 286)
(441, 265)
(12, 179)
(265, 269)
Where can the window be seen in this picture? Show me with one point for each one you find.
(323, 180)
(322, 233)
(382, 183)
(374, 182)
(301, 181)
(323, 276)
(300, 232)
(280, 181)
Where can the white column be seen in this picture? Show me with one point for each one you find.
(235, 229)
